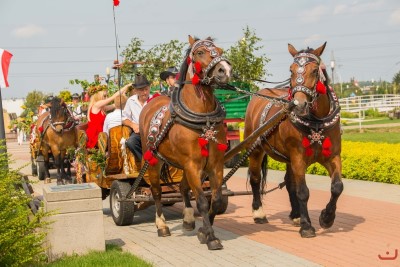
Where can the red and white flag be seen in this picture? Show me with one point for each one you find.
(5, 57)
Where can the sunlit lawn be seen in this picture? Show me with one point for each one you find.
(389, 135)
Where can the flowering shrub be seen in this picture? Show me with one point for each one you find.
(377, 162)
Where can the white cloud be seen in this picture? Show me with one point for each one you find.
(357, 7)
(312, 40)
(313, 15)
(394, 18)
(29, 31)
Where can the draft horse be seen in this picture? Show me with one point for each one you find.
(57, 133)
(310, 133)
(186, 131)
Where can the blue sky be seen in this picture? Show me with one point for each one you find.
(55, 41)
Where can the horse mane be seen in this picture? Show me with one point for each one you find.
(56, 105)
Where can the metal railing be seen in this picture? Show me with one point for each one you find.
(383, 103)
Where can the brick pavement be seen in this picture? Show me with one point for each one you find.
(366, 226)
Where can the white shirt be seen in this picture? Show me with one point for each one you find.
(112, 119)
(132, 109)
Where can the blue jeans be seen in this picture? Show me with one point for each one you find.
(135, 145)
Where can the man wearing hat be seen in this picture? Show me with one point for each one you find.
(76, 107)
(130, 115)
(169, 76)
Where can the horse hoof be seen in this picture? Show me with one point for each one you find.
(326, 221)
(201, 236)
(189, 226)
(296, 222)
(307, 233)
(261, 220)
(215, 245)
(163, 232)
(67, 181)
(60, 182)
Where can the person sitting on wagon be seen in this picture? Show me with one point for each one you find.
(114, 118)
(130, 115)
(169, 76)
(76, 107)
(98, 106)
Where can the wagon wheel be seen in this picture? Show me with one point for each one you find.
(41, 168)
(121, 211)
(224, 205)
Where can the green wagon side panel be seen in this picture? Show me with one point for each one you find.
(235, 103)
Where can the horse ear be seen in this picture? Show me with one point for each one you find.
(318, 52)
(191, 40)
(292, 50)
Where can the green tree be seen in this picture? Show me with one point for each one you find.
(153, 61)
(65, 95)
(32, 102)
(396, 82)
(244, 56)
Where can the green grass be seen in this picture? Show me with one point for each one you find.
(374, 121)
(113, 256)
(389, 135)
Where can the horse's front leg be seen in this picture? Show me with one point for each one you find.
(334, 168)
(154, 174)
(206, 233)
(66, 179)
(57, 161)
(291, 189)
(298, 168)
(254, 176)
(216, 193)
(189, 223)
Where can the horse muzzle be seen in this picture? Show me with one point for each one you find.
(222, 73)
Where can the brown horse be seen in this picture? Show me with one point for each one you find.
(309, 134)
(187, 131)
(57, 133)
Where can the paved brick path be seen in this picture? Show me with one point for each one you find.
(367, 225)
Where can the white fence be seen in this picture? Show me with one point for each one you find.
(382, 103)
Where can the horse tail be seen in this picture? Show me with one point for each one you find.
(264, 171)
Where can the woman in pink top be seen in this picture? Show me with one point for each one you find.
(98, 106)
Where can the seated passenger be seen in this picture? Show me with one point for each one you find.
(130, 115)
(169, 76)
(98, 106)
(114, 118)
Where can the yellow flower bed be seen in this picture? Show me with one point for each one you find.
(378, 162)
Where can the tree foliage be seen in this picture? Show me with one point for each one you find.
(32, 102)
(65, 95)
(396, 78)
(245, 57)
(21, 233)
(153, 61)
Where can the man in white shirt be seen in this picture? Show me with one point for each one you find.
(114, 118)
(76, 107)
(130, 115)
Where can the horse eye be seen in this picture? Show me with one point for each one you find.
(199, 53)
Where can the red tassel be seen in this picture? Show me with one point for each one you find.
(188, 60)
(204, 152)
(195, 79)
(326, 144)
(148, 155)
(153, 161)
(202, 141)
(306, 142)
(289, 94)
(116, 2)
(197, 67)
(41, 129)
(321, 89)
(309, 152)
(222, 147)
(326, 152)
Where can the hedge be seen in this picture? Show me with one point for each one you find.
(377, 162)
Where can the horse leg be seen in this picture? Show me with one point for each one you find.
(57, 158)
(298, 169)
(205, 234)
(189, 223)
(162, 228)
(254, 176)
(46, 162)
(334, 168)
(65, 177)
(291, 189)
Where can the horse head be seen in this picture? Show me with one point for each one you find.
(206, 64)
(58, 115)
(307, 77)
